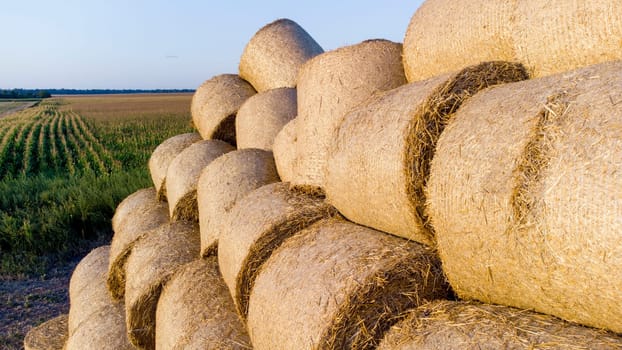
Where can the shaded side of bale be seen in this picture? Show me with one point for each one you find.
(153, 260)
(521, 194)
(215, 104)
(225, 181)
(162, 157)
(445, 36)
(262, 116)
(195, 310)
(284, 149)
(329, 86)
(274, 55)
(379, 163)
(50, 335)
(337, 285)
(257, 225)
(183, 174)
(103, 330)
(459, 325)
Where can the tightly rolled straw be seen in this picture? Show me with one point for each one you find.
(454, 325)
(136, 215)
(215, 104)
(524, 194)
(447, 35)
(257, 225)
(195, 311)
(183, 174)
(273, 56)
(331, 84)
(379, 163)
(50, 335)
(225, 181)
(153, 260)
(284, 149)
(164, 154)
(262, 116)
(337, 285)
(104, 330)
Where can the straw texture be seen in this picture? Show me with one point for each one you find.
(336, 285)
(262, 116)
(379, 163)
(273, 56)
(284, 149)
(331, 84)
(225, 181)
(50, 335)
(104, 330)
(524, 195)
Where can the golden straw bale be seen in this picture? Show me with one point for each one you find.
(284, 149)
(104, 330)
(50, 335)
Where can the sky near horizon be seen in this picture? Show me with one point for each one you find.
(152, 44)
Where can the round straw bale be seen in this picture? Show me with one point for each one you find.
(164, 154)
(153, 260)
(258, 224)
(525, 196)
(183, 174)
(223, 182)
(50, 335)
(331, 84)
(337, 285)
(379, 163)
(138, 214)
(274, 55)
(561, 35)
(262, 116)
(284, 149)
(195, 311)
(215, 104)
(447, 35)
(105, 330)
(455, 325)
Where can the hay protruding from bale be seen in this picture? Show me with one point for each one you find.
(379, 163)
(215, 104)
(162, 157)
(284, 149)
(337, 285)
(459, 325)
(195, 311)
(50, 335)
(262, 116)
(183, 174)
(225, 181)
(331, 84)
(154, 259)
(274, 55)
(257, 225)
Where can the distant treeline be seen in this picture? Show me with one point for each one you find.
(114, 91)
(24, 93)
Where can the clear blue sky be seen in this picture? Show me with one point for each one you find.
(140, 44)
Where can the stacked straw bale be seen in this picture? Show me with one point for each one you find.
(195, 311)
(256, 226)
(154, 259)
(136, 215)
(274, 55)
(50, 335)
(331, 84)
(525, 196)
(215, 104)
(183, 175)
(336, 285)
(225, 181)
(284, 149)
(262, 116)
(162, 157)
(452, 325)
(379, 163)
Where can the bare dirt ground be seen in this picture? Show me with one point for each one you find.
(14, 107)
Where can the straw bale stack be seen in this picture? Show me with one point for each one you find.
(284, 149)
(215, 104)
(50, 335)
(225, 181)
(525, 196)
(262, 116)
(336, 285)
(256, 226)
(183, 175)
(379, 163)
(274, 55)
(331, 84)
